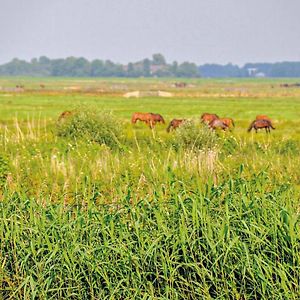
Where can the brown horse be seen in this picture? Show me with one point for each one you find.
(157, 118)
(207, 118)
(263, 117)
(217, 123)
(149, 118)
(260, 124)
(180, 84)
(175, 123)
(140, 116)
(228, 121)
(65, 114)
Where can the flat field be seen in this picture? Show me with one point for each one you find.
(148, 214)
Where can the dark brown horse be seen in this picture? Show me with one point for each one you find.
(260, 124)
(207, 118)
(65, 114)
(175, 123)
(149, 118)
(217, 123)
(180, 84)
(263, 117)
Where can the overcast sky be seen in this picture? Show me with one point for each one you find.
(202, 31)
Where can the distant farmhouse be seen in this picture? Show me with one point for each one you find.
(154, 69)
(254, 72)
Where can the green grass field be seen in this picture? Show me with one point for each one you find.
(159, 215)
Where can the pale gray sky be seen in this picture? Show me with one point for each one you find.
(202, 31)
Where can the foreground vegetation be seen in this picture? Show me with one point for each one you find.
(144, 214)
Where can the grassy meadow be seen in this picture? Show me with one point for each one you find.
(147, 214)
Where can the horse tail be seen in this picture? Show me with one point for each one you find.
(271, 125)
(251, 126)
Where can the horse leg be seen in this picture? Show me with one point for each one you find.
(151, 125)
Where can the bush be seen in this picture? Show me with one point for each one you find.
(98, 127)
(189, 135)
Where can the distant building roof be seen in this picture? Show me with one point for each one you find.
(155, 68)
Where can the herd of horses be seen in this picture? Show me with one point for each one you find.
(213, 121)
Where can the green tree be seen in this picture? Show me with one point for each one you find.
(173, 68)
(158, 59)
(81, 67)
(146, 67)
(187, 69)
(130, 70)
(97, 68)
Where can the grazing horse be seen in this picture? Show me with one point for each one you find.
(180, 84)
(149, 118)
(228, 121)
(65, 115)
(175, 123)
(263, 117)
(140, 116)
(157, 118)
(217, 123)
(207, 118)
(260, 124)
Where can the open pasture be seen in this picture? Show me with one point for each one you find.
(160, 215)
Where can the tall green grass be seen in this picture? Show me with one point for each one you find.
(235, 240)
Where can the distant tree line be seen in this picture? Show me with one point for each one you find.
(81, 67)
(154, 67)
(279, 69)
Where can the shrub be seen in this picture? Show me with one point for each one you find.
(189, 135)
(98, 127)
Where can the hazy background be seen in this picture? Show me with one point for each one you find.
(218, 31)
